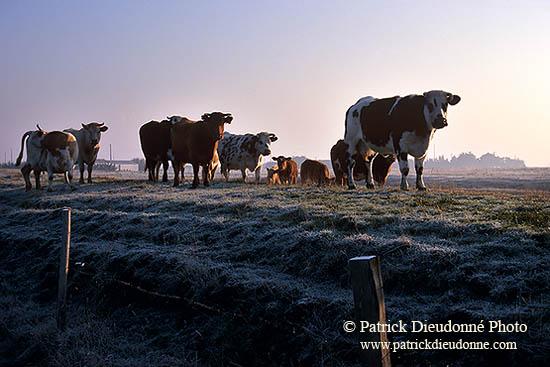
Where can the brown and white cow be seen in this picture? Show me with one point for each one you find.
(381, 165)
(88, 138)
(155, 144)
(397, 125)
(54, 152)
(287, 171)
(315, 172)
(196, 143)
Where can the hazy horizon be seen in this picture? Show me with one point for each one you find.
(285, 67)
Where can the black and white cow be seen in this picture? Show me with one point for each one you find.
(244, 152)
(397, 125)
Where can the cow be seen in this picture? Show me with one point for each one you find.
(315, 172)
(54, 152)
(287, 171)
(396, 125)
(196, 143)
(273, 176)
(88, 138)
(34, 150)
(155, 144)
(244, 152)
(381, 165)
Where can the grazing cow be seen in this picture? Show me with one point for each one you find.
(397, 125)
(196, 143)
(54, 152)
(244, 152)
(155, 144)
(273, 176)
(315, 172)
(88, 138)
(287, 171)
(381, 165)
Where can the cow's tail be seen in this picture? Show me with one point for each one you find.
(20, 157)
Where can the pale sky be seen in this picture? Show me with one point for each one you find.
(288, 67)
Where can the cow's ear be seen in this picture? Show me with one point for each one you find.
(272, 137)
(103, 129)
(227, 118)
(84, 126)
(206, 116)
(453, 99)
(288, 159)
(274, 158)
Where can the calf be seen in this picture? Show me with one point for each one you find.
(196, 143)
(88, 138)
(287, 171)
(315, 172)
(397, 125)
(381, 165)
(244, 152)
(273, 176)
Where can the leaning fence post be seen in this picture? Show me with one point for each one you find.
(63, 271)
(368, 295)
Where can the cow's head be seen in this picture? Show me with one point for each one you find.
(282, 162)
(93, 132)
(40, 131)
(435, 107)
(215, 123)
(260, 143)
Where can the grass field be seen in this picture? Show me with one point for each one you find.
(257, 275)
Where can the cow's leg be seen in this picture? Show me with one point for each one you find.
(225, 172)
(206, 174)
(212, 172)
(195, 183)
(243, 172)
(176, 165)
(26, 171)
(149, 163)
(257, 174)
(404, 168)
(349, 168)
(81, 166)
(419, 167)
(70, 176)
(359, 147)
(90, 167)
(165, 174)
(37, 179)
(50, 178)
(369, 181)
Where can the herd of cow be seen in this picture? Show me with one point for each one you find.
(377, 132)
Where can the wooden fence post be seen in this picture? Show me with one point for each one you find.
(368, 295)
(63, 271)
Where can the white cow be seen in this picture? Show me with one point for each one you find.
(88, 138)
